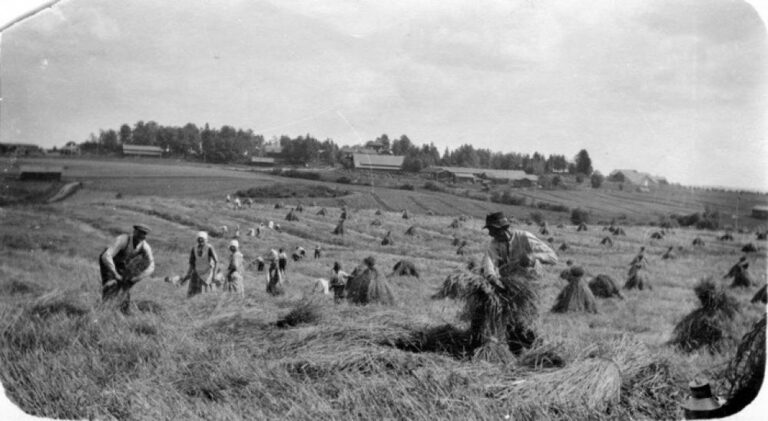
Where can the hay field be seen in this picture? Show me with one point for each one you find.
(218, 357)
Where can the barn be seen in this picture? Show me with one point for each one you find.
(142, 150)
(760, 211)
(39, 173)
(471, 175)
(377, 162)
(262, 161)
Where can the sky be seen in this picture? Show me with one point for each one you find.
(671, 87)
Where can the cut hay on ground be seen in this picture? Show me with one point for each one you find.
(746, 371)
(604, 286)
(405, 268)
(575, 297)
(305, 312)
(761, 295)
(411, 230)
(710, 326)
(444, 339)
(493, 351)
(369, 286)
(595, 382)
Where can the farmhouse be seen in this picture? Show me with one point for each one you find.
(760, 212)
(20, 149)
(40, 173)
(259, 161)
(142, 150)
(377, 162)
(468, 174)
(635, 177)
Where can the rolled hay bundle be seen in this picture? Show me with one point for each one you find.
(710, 326)
(375, 223)
(761, 295)
(604, 286)
(749, 248)
(494, 351)
(367, 285)
(411, 230)
(378, 212)
(606, 241)
(698, 242)
(637, 279)
(405, 268)
(594, 382)
(339, 230)
(576, 296)
(291, 216)
(322, 212)
(745, 372)
(505, 310)
(455, 224)
(387, 240)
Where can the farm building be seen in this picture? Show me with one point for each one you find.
(760, 211)
(466, 174)
(272, 148)
(377, 162)
(40, 173)
(636, 177)
(20, 149)
(142, 150)
(260, 161)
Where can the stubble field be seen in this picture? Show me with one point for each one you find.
(214, 356)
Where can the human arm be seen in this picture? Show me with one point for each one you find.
(489, 261)
(108, 257)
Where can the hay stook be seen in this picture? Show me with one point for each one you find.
(711, 326)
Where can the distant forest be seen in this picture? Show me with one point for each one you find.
(227, 144)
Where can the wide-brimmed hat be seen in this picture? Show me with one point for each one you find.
(141, 227)
(701, 398)
(496, 220)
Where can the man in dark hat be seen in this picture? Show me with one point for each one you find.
(116, 264)
(517, 250)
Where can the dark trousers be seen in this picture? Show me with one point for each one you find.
(119, 292)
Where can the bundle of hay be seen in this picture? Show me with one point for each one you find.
(299, 208)
(657, 236)
(322, 212)
(740, 274)
(135, 266)
(619, 231)
(637, 278)
(430, 212)
(494, 351)
(544, 230)
(411, 230)
(604, 286)
(595, 383)
(339, 230)
(456, 283)
(563, 247)
(560, 226)
(455, 224)
(378, 212)
(762, 235)
(504, 311)
(367, 285)
(455, 241)
(749, 248)
(726, 237)
(746, 371)
(761, 296)
(279, 205)
(375, 223)
(291, 216)
(576, 296)
(405, 214)
(607, 242)
(387, 240)
(698, 242)
(582, 227)
(710, 326)
(463, 218)
(461, 250)
(668, 254)
(405, 268)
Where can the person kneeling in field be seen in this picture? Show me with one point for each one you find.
(123, 264)
(517, 250)
(202, 266)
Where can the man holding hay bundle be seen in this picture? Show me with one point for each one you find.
(124, 263)
(518, 250)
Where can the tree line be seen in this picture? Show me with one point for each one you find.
(227, 144)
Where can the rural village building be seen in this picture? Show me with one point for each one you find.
(142, 150)
(466, 174)
(760, 211)
(40, 173)
(377, 162)
(260, 161)
(636, 177)
(20, 149)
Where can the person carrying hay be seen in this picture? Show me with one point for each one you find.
(519, 250)
(124, 263)
(338, 282)
(274, 275)
(367, 285)
(202, 266)
(233, 282)
(576, 296)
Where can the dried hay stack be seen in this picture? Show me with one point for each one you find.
(322, 212)
(563, 247)
(603, 286)
(375, 223)
(637, 278)
(698, 242)
(746, 371)
(291, 216)
(463, 218)
(411, 230)
(606, 241)
(405, 268)
(405, 214)
(455, 224)
(544, 230)
(761, 295)
(279, 205)
(657, 236)
(741, 276)
(762, 235)
(576, 296)
(726, 237)
(618, 231)
(339, 230)
(299, 208)
(595, 382)
(582, 227)
(387, 240)
(455, 241)
(367, 285)
(749, 248)
(668, 255)
(494, 351)
(710, 326)
(378, 212)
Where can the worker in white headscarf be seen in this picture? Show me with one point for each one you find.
(235, 271)
(202, 266)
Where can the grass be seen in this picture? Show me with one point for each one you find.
(220, 357)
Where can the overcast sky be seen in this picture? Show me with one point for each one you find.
(674, 87)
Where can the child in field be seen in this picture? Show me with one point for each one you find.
(338, 282)
(235, 270)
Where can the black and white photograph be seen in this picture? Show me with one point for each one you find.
(383, 210)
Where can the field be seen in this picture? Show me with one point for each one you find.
(64, 355)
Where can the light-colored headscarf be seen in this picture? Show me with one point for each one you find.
(203, 235)
(235, 244)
